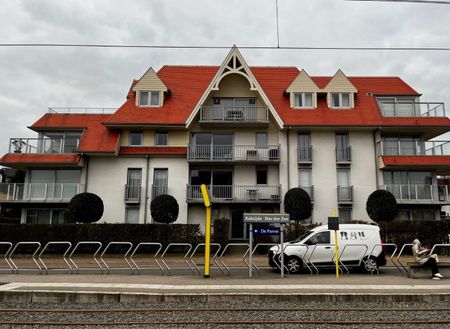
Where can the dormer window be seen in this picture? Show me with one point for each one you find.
(149, 98)
(303, 100)
(340, 100)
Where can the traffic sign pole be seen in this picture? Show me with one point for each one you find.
(250, 260)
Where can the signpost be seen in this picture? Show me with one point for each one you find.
(333, 225)
(265, 219)
(207, 203)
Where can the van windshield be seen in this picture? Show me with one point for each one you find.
(301, 237)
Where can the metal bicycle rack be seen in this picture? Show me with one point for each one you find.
(214, 258)
(314, 249)
(253, 252)
(220, 259)
(117, 243)
(50, 243)
(439, 245)
(156, 244)
(400, 253)
(349, 246)
(84, 243)
(6, 255)
(384, 245)
(33, 256)
(302, 257)
(184, 258)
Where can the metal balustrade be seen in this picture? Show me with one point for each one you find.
(412, 109)
(304, 154)
(344, 154)
(51, 192)
(132, 193)
(44, 145)
(235, 114)
(413, 147)
(231, 153)
(345, 194)
(230, 193)
(158, 190)
(309, 190)
(418, 192)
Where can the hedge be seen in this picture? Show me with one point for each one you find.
(104, 233)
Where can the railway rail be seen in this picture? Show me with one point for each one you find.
(48, 317)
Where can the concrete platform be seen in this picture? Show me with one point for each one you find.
(389, 286)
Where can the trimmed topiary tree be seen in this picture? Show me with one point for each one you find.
(381, 206)
(86, 208)
(297, 204)
(164, 209)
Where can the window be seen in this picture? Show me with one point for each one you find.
(304, 177)
(304, 100)
(134, 181)
(343, 177)
(132, 215)
(345, 215)
(136, 138)
(46, 216)
(319, 238)
(161, 138)
(149, 98)
(343, 150)
(160, 181)
(261, 139)
(261, 175)
(340, 100)
(304, 147)
(54, 184)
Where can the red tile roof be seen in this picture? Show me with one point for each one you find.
(96, 137)
(156, 150)
(186, 84)
(20, 158)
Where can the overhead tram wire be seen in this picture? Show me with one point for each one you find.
(75, 45)
(431, 2)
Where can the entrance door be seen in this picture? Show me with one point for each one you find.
(238, 227)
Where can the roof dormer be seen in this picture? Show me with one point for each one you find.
(340, 92)
(150, 90)
(303, 92)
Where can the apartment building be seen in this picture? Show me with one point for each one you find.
(249, 134)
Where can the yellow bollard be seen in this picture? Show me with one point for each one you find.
(207, 229)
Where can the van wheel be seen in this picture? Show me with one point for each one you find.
(369, 265)
(293, 264)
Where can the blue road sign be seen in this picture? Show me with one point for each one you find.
(266, 231)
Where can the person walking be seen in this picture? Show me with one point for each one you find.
(424, 258)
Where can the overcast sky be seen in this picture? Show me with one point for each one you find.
(32, 79)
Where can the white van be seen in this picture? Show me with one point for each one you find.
(356, 242)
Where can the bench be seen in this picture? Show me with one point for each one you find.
(416, 271)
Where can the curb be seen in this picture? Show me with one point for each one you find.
(51, 296)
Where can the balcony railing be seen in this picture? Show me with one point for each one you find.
(345, 194)
(238, 193)
(418, 192)
(304, 154)
(132, 194)
(401, 147)
(233, 153)
(344, 154)
(43, 145)
(244, 114)
(51, 192)
(309, 190)
(412, 109)
(158, 190)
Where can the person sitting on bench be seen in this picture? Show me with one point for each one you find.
(424, 258)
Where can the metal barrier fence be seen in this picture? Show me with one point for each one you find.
(97, 255)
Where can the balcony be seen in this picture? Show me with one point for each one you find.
(344, 154)
(43, 145)
(38, 192)
(309, 190)
(236, 193)
(419, 193)
(345, 194)
(236, 115)
(132, 194)
(411, 109)
(158, 190)
(413, 147)
(304, 154)
(233, 153)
